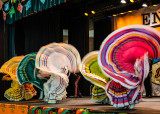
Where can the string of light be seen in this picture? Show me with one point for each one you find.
(144, 4)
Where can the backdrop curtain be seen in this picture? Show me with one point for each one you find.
(38, 30)
(11, 44)
(102, 28)
(3, 54)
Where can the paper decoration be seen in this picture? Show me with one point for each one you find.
(61, 1)
(13, 1)
(28, 5)
(1, 3)
(6, 7)
(11, 12)
(20, 7)
(55, 2)
(42, 1)
(4, 16)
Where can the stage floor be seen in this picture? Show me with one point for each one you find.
(148, 105)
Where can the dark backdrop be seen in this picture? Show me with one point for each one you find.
(3, 54)
(79, 37)
(45, 27)
(102, 28)
(38, 30)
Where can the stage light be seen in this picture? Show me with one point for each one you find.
(144, 5)
(129, 11)
(109, 16)
(114, 15)
(93, 12)
(86, 14)
(121, 13)
(132, 1)
(123, 1)
(154, 5)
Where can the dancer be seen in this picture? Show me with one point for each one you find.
(155, 79)
(55, 87)
(56, 61)
(26, 73)
(124, 58)
(16, 92)
(92, 72)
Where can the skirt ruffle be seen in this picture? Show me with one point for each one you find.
(120, 96)
(98, 94)
(29, 91)
(15, 93)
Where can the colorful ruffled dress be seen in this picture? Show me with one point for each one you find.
(92, 72)
(16, 92)
(123, 57)
(58, 60)
(27, 74)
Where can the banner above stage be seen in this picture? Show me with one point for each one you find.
(144, 16)
(17, 9)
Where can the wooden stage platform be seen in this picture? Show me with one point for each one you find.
(148, 105)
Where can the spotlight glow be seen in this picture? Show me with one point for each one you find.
(123, 1)
(132, 1)
(114, 15)
(121, 13)
(86, 14)
(93, 12)
(154, 5)
(144, 5)
(129, 11)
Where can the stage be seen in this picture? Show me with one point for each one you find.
(148, 105)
